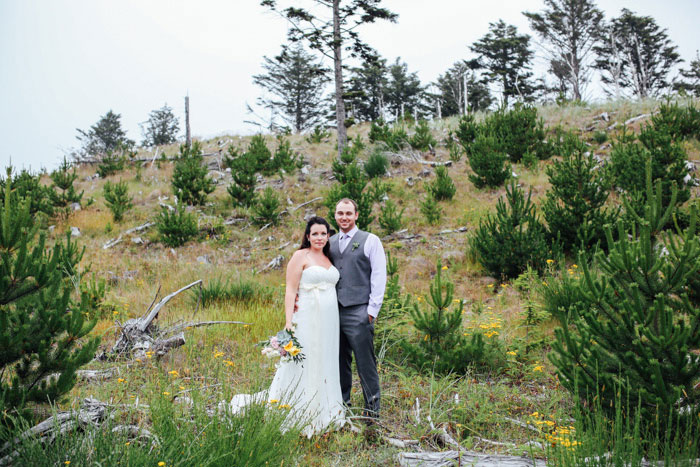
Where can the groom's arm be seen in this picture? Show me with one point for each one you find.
(377, 260)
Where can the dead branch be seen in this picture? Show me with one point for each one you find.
(306, 203)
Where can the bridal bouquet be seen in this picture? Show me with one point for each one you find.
(284, 345)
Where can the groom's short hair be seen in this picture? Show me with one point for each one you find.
(347, 200)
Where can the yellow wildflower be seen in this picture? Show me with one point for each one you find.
(273, 401)
(538, 368)
(490, 285)
(166, 393)
(550, 261)
(121, 380)
(512, 353)
(444, 268)
(174, 373)
(161, 464)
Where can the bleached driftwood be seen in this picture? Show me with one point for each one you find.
(450, 458)
(137, 433)
(112, 242)
(139, 336)
(274, 264)
(91, 413)
(307, 203)
(139, 228)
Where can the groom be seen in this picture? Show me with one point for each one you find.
(359, 257)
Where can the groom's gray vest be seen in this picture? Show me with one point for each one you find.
(355, 270)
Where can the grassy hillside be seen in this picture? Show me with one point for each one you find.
(512, 410)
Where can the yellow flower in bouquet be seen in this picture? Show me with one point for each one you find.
(294, 351)
(289, 346)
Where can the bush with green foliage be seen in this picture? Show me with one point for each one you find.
(489, 164)
(29, 187)
(285, 159)
(442, 345)
(117, 199)
(63, 192)
(243, 177)
(442, 188)
(260, 155)
(600, 136)
(658, 147)
(42, 329)
(390, 218)
(574, 207)
(111, 163)
(422, 139)
(395, 137)
(191, 182)
(506, 243)
(376, 164)
(632, 340)
(318, 135)
(431, 210)
(467, 131)
(176, 227)
(680, 123)
(266, 209)
(518, 131)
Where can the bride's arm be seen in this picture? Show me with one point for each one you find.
(294, 270)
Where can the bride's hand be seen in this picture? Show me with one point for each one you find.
(288, 327)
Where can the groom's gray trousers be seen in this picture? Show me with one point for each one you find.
(357, 336)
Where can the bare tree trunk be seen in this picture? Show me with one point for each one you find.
(338, 69)
(188, 136)
(466, 94)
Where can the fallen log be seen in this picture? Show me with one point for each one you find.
(450, 458)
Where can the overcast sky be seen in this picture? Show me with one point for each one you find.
(65, 63)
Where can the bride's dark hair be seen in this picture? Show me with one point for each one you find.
(305, 243)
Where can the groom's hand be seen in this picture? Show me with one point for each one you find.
(371, 319)
(296, 303)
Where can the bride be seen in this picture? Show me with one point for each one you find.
(312, 387)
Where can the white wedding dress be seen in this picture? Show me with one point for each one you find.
(311, 388)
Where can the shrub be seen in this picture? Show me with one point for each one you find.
(454, 149)
(656, 146)
(422, 139)
(394, 137)
(240, 291)
(506, 243)
(517, 131)
(390, 218)
(442, 188)
(243, 177)
(285, 158)
(266, 208)
(600, 136)
(318, 135)
(442, 345)
(260, 155)
(489, 165)
(112, 162)
(679, 122)
(431, 209)
(630, 343)
(26, 185)
(176, 227)
(467, 131)
(191, 183)
(574, 207)
(104, 136)
(42, 329)
(376, 164)
(117, 199)
(63, 192)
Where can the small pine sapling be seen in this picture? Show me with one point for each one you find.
(431, 209)
(117, 199)
(191, 183)
(442, 188)
(376, 164)
(176, 227)
(489, 164)
(390, 218)
(422, 139)
(506, 243)
(266, 208)
(63, 192)
(442, 345)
